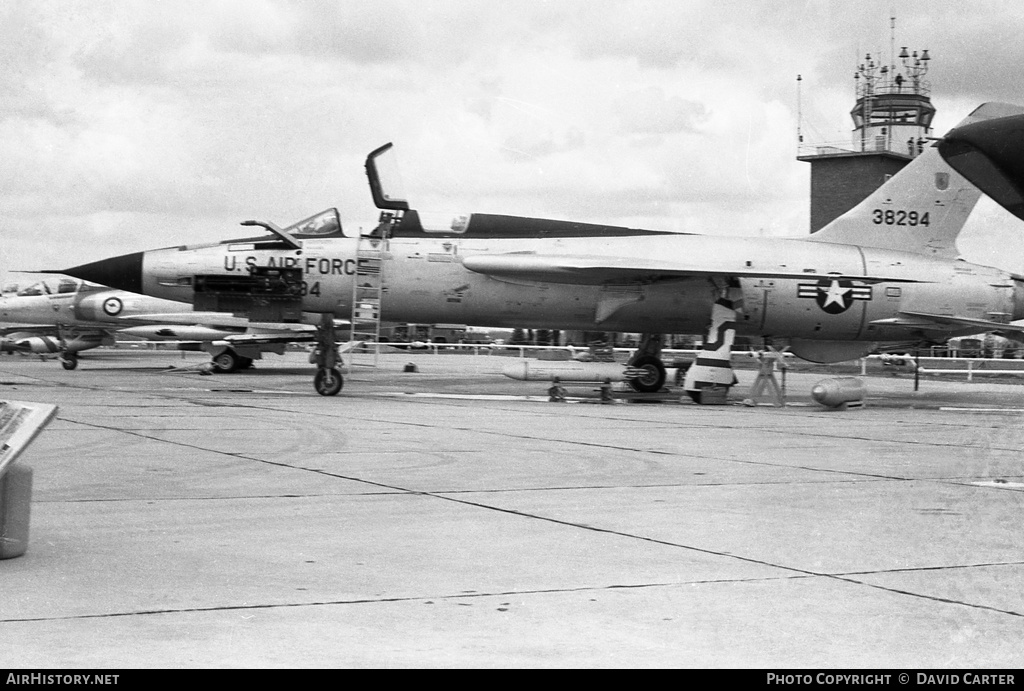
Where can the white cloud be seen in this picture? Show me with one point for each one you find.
(129, 124)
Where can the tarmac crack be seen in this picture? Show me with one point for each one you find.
(183, 396)
(728, 555)
(615, 447)
(379, 600)
(190, 398)
(765, 429)
(429, 599)
(658, 452)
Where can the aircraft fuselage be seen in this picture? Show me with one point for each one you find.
(425, 280)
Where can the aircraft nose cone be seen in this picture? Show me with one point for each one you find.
(124, 272)
(990, 154)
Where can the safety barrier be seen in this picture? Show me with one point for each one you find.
(973, 365)
(926, 363)
(970, 368)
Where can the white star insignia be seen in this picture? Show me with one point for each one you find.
(834, 294)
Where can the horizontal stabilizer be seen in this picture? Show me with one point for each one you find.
(990, 154)
(925, 320)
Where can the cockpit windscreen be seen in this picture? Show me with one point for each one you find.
(64, 285)
(319, 225)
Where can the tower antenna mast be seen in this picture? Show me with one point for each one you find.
(799, 114)
(892, 44)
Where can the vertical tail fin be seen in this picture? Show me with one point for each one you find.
(921, 209)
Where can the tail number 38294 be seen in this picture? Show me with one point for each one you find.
(899, 217)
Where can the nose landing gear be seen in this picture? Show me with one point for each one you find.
(647, 360)
(328, 380)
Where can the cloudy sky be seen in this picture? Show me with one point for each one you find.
(132, 125)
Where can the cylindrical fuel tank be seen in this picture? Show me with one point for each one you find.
(569, 370)
(838, 391)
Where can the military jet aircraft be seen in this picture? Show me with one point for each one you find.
(70, 316)
(886, 273)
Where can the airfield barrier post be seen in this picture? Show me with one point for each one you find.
(19, 425)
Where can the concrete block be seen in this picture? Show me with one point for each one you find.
(714, 395)
(15, 509)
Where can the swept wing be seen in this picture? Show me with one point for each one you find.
(601, 269)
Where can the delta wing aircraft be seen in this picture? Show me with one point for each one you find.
(885, 274)
(70, 316)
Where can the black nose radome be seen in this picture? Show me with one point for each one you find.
(124, 272)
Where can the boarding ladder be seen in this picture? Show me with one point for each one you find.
(367, 290)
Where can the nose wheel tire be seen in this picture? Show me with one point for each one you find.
(328, 381)
(69, 361)
(653, 377)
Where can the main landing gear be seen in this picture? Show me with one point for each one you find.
(647, 358)
(328, 380)
(68, 357)
(711, 375)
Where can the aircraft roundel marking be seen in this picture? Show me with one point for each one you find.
(834, 295)
(113, 306)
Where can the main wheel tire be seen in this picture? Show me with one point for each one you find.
(328, 382)
(226, 362)
(653, 377)
(69, 362)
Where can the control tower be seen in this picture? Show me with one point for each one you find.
(892, 120)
